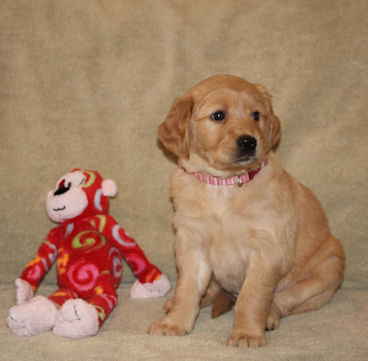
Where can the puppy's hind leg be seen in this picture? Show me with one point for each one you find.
(222, 301)
(318, 282)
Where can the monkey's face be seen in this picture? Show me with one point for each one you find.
(68, 200)
(80, 193)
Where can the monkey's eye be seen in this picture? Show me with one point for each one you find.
(218, 116)
(62, 184)
(256, 116)
(62, 188)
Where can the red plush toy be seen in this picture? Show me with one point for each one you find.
(87, 246)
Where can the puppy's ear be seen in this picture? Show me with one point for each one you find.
(275, 130)
(173, 132)
(275, 124)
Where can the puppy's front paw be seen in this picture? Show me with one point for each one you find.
(169, 304)
(240, 339)
(163, 327)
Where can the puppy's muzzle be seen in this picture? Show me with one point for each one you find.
(246, 146)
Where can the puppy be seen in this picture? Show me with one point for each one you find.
(245, 228)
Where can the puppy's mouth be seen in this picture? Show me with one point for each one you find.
(244, 160)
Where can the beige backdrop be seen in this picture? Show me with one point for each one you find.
(86, 83)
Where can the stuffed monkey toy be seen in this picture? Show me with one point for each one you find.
(87, 246)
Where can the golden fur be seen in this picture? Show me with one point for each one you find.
(267, 242)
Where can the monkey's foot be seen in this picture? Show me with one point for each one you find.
(32, 317)
(76, 319)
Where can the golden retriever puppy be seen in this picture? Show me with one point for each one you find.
(245, 228)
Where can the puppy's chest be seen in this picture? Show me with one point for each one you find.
(229, 242)
(228, 264)
(221, 201)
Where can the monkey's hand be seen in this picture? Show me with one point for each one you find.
(23, 291)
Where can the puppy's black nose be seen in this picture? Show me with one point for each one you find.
(247, 144)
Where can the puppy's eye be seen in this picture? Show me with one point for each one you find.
(256, 116)
(218, 116)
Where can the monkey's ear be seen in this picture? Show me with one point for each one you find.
(173, 132)
(109, 188)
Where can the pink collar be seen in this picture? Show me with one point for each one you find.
(239, 180)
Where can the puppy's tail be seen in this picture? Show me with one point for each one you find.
(222, 303)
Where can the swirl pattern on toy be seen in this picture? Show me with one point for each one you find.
(83, 275)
